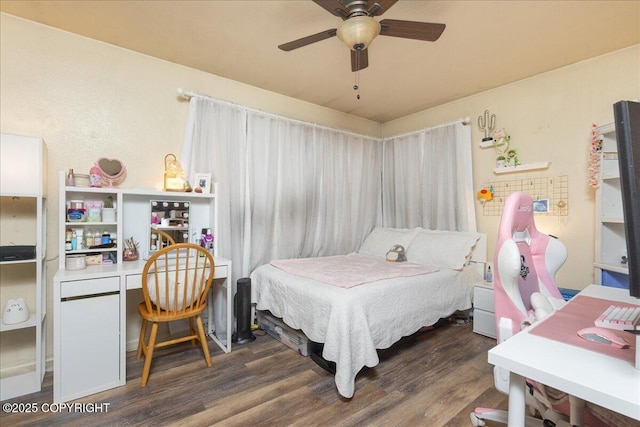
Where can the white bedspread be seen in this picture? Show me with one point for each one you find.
(350, 270)
(354, 322)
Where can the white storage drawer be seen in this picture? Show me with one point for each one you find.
(483, 297)
(484, 323)
(77, 288)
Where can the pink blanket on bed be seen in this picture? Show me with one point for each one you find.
(350, 270)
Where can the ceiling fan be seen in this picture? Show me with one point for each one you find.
(359, 28)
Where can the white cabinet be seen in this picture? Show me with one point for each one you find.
(484, 318)
(611, 250)
(89, 337)
(23, 212)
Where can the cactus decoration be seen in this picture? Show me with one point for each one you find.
(487, 123)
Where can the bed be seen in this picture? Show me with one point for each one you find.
(358, 315)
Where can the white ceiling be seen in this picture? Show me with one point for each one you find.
(486, 44)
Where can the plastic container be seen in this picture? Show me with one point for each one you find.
(76, 215)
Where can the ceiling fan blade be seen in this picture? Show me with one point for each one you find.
(333, 7)
(384, 6)
(308, 40)
(425, 31)
(359, 60)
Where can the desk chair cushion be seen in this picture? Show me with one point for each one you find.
(171, 288)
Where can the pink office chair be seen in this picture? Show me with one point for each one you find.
(525, 262)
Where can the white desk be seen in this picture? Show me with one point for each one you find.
(606, 381)
(90, 325)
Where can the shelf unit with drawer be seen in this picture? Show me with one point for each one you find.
(484, 318)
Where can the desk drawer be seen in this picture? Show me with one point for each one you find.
(221, 272)
(134, 281)
(84, 287)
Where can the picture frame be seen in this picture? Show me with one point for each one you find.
(203, 181)
(541, 206)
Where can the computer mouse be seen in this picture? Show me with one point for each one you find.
(603, 336)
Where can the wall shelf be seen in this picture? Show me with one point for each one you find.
(521, 168)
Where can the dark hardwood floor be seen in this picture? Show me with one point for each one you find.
(432, 378)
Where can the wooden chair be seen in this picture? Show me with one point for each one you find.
(161, 238)
(175, 284)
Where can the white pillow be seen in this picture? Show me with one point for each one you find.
(382, 239)
(445, 249)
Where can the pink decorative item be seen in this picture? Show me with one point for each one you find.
(111, 171)
(94, 177)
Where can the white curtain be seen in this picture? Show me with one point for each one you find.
(288, 189)
(285, 188)
(428, 179)
(313, 191)
(216, 142)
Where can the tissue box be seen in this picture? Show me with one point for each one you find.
(290, 337)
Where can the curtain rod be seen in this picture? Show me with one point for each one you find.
(187, 94)
(465, 122)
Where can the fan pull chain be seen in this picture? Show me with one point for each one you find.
(356, 86)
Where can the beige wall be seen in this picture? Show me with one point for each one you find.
(88, 99)
(549, 118)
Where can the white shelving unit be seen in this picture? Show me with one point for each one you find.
(90, 304)
(23, 212)
(610, 236)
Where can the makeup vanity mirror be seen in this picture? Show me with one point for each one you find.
(169, 216)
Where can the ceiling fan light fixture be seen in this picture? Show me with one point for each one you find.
(358, 32)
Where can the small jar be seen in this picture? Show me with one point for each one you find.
(106, 238)
(89, 239)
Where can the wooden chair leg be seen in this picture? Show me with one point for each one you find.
(143, 334)
(149, 354)
(192, 330)
(203, 341)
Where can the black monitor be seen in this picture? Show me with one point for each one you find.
(627, 123)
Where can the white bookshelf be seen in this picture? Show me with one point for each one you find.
(23, 212)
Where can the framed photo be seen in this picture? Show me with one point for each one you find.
(202, 181)
(541, 206)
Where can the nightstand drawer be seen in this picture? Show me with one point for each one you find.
(484, 323)
(483, 298)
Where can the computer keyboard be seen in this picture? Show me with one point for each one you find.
(618, 317)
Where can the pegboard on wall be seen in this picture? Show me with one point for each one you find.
(554, 189)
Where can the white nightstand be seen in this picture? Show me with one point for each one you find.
(484, 319)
